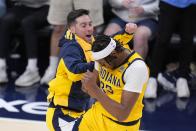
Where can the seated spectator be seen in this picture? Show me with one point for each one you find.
(2, 8)
(58, 11)
(30, 15)
(173, 14)
(141, 12)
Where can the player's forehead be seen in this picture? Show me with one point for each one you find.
(84, 19)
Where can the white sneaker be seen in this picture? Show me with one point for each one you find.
(3, 75)
(48, 76)
(181, 104)
(28, 78)
(167, 81)
(151, 89)
(182, 88)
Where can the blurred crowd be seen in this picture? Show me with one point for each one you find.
(157, 22)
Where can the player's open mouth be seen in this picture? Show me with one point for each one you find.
(88, 36)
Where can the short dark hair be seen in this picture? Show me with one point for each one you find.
(73, 15)
(102, 41)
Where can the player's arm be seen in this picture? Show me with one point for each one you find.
(125, 37)
(75, 62)
(135, 79)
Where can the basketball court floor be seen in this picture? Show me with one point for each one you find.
(24, 108)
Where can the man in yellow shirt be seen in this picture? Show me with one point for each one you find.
(123, 76)
(67, 100)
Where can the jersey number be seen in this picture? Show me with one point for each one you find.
(106, 88)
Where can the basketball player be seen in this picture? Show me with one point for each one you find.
(123, 76)
(67, 100)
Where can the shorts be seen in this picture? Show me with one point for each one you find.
(59, 9)
(94, 120)
(150, 23)
(59, 119)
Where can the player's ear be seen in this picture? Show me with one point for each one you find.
(72, 28)
(114, 54)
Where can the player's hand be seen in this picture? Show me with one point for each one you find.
(89, 84)
(130, 28)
